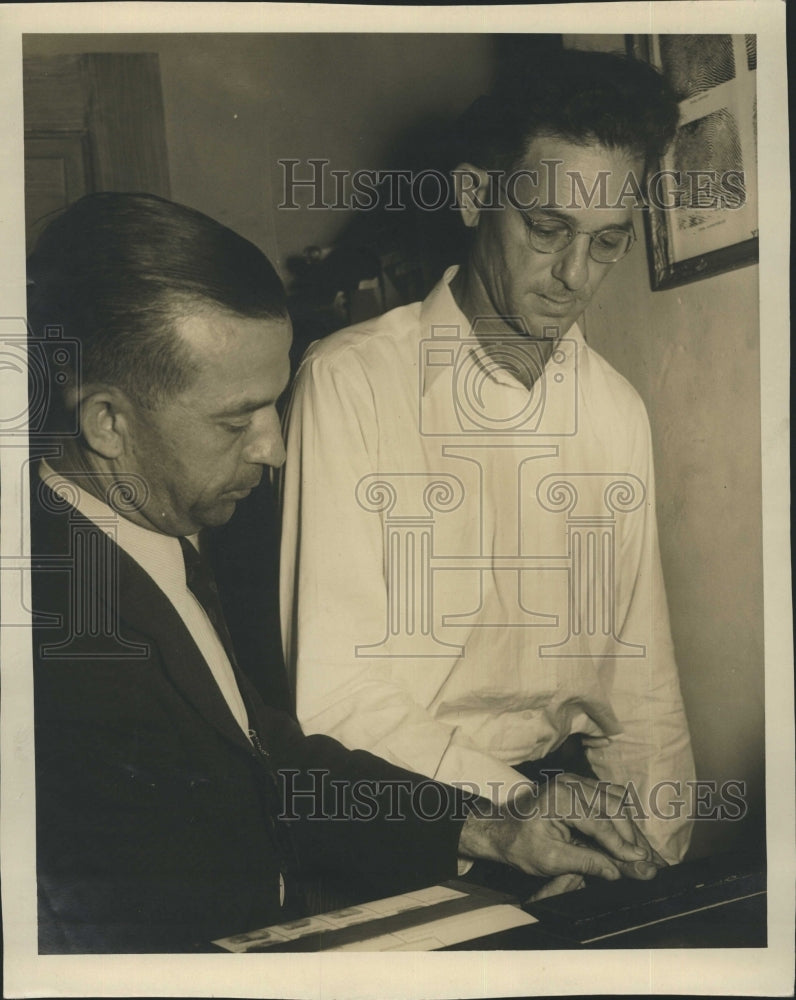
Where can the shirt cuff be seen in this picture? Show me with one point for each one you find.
(463, 866)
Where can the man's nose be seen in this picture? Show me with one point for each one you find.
(572, 265)
(265, 445)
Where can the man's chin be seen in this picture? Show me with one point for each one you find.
(551, 328)
(216, 515)
(548, 319)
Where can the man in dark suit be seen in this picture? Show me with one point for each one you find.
(177, 798)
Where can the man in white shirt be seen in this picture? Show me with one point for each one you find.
(174, 804)
(470, 567)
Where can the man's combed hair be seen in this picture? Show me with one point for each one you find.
(582, 97)
(114, 271)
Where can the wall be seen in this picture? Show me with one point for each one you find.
(693, 354)
(236, 104)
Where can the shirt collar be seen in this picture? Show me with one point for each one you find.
(445, 327)
(159, 555)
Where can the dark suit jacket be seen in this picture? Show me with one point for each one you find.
(157, 821)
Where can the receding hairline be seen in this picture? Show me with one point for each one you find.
(179, 306)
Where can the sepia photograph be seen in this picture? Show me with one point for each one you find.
(395, 518)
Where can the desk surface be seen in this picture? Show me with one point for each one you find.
(715, 902)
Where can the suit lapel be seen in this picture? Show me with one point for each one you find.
(147, 609)
(143, 607)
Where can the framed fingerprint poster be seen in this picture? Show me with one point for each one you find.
(702, 217)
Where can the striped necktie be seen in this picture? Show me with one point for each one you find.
(202, 585)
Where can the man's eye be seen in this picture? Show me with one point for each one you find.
(549, 230)
(611, 238)
(237, 428)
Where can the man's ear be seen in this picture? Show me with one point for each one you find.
(105, 419)
(472, 192)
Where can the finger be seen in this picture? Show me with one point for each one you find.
(640, 838)
(557, 886)
(628, 829)
(630, 834)
(570, 859)
(605, 833)
(580, 802)
(652, 854)
(643, 870)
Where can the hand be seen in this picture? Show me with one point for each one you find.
(546, 843)
(618, 791)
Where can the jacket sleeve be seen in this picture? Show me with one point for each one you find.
(354, 816)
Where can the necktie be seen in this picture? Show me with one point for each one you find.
(202, 585)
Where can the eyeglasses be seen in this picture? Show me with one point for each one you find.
(549, 235)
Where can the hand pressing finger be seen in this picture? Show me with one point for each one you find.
(629, 829)
(568, 858)
(606, 834)
(644, 870)
(595, 809)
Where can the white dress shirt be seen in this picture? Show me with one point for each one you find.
(160, 557)
(470, 570)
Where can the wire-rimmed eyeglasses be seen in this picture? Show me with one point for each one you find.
(552, 235)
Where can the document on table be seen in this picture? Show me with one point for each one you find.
(445, 931)
(414, 921)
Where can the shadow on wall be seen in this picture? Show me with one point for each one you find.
(384, 257)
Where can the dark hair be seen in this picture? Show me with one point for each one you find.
(114, 271)
(583, 97)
